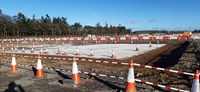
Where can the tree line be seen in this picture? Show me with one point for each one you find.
(20, 25)
(165, 32)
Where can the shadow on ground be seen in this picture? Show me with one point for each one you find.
(12, 88)
(112, 86)
(34, 70)
(64, 76)
(172, 58)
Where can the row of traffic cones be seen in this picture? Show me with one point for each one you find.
(59, 52)
(78, 53)
(40, 72)
(137, 49)
(130, 84)
(65, 52)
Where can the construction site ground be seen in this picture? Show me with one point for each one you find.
(177, 55)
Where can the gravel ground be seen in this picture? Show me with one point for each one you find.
(187, 59)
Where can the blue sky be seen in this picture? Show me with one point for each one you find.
(135, 14)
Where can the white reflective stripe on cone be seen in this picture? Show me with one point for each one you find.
(13, 61)
(39, 64)
(131, 75)
(74, 68)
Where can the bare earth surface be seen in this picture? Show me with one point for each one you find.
(177, 55)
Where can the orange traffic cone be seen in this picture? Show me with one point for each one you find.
(47, 51)
(65, 52)
(91, 53)
(75, 74)
(58, 51)
(150, 44)
(23, 51)
(195, 84)
(137, 49)
(13, 64)
(77, 51)
(40, 72)
(32, 50)
(130, 84)
(113, 54)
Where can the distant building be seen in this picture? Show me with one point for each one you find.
(187, 33)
